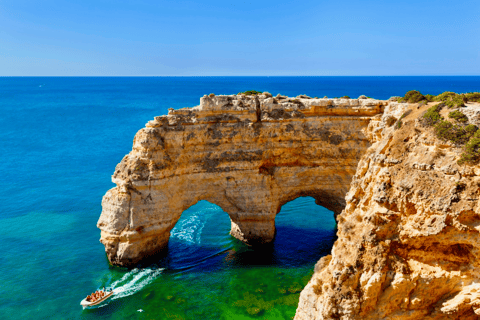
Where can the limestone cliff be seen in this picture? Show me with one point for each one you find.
(408, 238)
(247, 154)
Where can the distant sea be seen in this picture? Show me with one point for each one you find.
(60, 139)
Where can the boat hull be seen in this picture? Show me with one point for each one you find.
(84, 303)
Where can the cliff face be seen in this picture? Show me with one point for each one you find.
(247, 155)
(408, 238)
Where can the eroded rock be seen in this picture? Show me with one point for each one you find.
(247, 160)
(408, 238)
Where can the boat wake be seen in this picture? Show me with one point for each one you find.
(189, 229)
(134, 281)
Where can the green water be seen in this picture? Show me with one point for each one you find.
(256, 293)
(210, 275)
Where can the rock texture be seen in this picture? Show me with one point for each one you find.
(247, 154)
(408, 238)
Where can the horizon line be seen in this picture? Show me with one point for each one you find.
(251, 76)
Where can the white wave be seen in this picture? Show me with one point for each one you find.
(189, 230)
(134, 281)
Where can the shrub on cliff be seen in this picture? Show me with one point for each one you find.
(471, 153)
(456, 102)
(445, 96)
(471, 129)
(345, 97)
(445, 130)
(412, 96)
(464, 134)
(432, 116)
(457, 115)
(250, 93)
(472, 96)
(451, 99)
(399, 122)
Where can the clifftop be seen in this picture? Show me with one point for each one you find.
(244, 108)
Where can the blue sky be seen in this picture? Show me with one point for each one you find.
(210, 37)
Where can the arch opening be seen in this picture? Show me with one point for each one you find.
(201, 232)
(305, 231)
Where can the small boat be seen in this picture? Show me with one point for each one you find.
(84, 303)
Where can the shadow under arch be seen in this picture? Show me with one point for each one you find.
(322, 198)
(305, 232)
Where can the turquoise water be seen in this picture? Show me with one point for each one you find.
(60, 139)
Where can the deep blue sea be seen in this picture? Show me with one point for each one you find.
(60, 139)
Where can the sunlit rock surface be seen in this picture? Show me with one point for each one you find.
(249, 155)
(408, 239)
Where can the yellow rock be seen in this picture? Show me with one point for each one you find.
(249, 155)
(408, 238)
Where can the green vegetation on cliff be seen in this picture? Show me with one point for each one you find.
(412, 96)
(250, 92)
(457, 115)
(472, 150)
(450, 99)
(461, 134)
(432, 116)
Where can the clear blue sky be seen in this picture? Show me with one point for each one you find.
(212, 37)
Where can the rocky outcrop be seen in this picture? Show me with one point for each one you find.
(247, 154)
(408, 238)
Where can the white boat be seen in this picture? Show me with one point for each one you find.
(84, 303)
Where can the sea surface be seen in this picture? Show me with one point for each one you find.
(60, 140)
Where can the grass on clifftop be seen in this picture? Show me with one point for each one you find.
(462, 134)
(450, 99)
(250, 93)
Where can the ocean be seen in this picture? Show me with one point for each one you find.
(60, 140)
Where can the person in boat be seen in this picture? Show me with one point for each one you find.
(97, 295)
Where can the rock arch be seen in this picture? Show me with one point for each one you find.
(219, 152)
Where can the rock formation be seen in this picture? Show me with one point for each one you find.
(247, 154)
(408, 238)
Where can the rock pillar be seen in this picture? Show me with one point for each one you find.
(253, 231)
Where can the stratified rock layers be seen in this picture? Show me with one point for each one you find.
(219, 152)
(408, 239)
